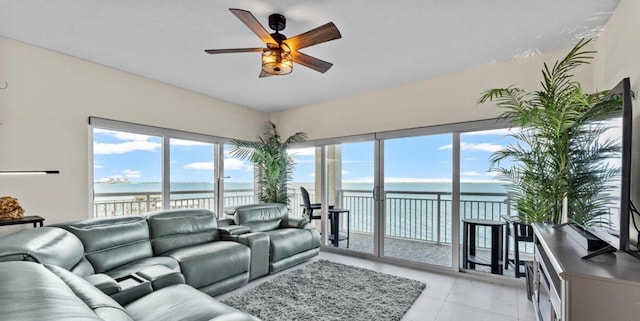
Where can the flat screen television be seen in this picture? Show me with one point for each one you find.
(616, 232)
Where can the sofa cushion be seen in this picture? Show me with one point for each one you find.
(30, 291)
(182, 302)
(180, 228)
(142, 264)
(112, 242)
(209, 263)
(291, 241)
(261, 217)
(48, 245)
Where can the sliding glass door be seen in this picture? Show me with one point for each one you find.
(191, 172)
(350, 183)
(418, 199)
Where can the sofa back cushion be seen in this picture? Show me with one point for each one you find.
(30, 291)
(180, 228)
(112, 242)
(261, 217)
(47, 245)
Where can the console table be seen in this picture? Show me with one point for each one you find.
(25, 220)
(567, 287)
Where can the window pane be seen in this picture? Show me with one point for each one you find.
(306, 174)
(192, 168)
(350, 171)
(482, 196)
(418, 186)
(238, 180)
(127, 171)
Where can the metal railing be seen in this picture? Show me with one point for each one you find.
(136, 203)
(424, 216)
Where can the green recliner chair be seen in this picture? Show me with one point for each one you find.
(291, 240)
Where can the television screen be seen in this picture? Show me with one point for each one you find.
(613, 226)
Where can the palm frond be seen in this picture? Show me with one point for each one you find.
(273, 165)
(556, 155)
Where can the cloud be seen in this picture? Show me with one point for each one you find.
(128, 173)
(472, 173)
(310, 151)
(483, 147)
(500, 131)
(97, 166)
(180, 142)
(122, 148)
(345, 172)
(415, 180)
(312, 175)
(121, 135)
(236, 164)
(203, 166)
(131, 142)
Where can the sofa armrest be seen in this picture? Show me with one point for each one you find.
(225, 222)
(104, 282)
(234, 230)
(259, 244)
(289, 222)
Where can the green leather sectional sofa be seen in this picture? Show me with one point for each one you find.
(162, 266)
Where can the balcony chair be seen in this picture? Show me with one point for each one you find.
(308, 207)
(520, 232)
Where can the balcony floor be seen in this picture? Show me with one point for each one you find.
(413, 250)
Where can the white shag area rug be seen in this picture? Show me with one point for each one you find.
(329, 291)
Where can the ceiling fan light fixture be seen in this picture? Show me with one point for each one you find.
(277, 60)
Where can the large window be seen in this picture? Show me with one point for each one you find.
(138, 169)
(127, 172)
(407, 191)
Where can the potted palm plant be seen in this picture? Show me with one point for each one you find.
(557, 161)
(274, 167)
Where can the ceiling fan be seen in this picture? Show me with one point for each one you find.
(281, 52)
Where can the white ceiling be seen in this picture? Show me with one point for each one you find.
(384, 43)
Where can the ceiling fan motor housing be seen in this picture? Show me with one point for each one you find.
(277, 22)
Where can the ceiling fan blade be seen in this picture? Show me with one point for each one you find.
(311, 62)
(219, 51)
(264, 74)
(324, 33)
(250, 21)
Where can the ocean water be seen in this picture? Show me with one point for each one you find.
(413, 210)
(156, 187)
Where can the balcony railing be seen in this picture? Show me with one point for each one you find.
(136, 203)
(424, 216)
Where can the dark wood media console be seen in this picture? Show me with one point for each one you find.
(567, 287)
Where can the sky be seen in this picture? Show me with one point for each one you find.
(138, 158)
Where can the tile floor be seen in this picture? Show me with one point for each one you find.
(446, 297)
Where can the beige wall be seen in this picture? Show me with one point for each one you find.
(44, 113)
(444, 100)
(618, 57)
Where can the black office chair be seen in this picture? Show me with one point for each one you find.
(520, 232)
(308, 207)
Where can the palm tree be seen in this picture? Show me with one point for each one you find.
(557, 155)
(274, 167)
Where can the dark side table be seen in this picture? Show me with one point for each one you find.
(334, 215)
(469, 256)
(25, 220)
